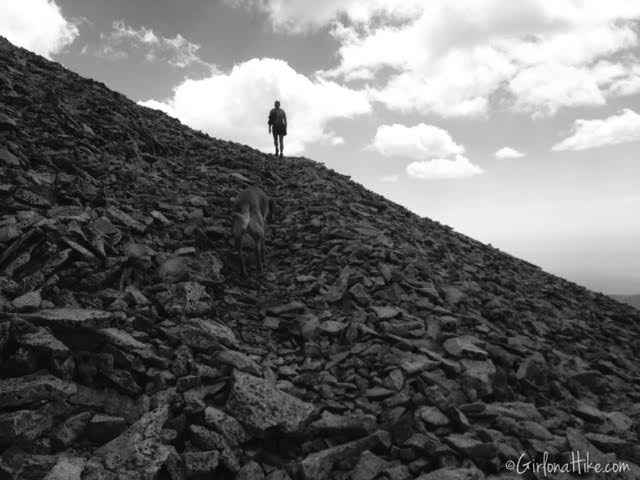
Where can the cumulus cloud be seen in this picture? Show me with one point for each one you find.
(124, 40)
(438, 155)
(416, 142)
(233, 105)
(443, 168)
(508, 152)
(544, 89)
(302, 16)
(620, 128)
(460, 58)
(37, 25)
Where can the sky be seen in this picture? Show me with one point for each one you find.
(516, 123)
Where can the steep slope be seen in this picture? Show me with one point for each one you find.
(633, 300)
(377, 344)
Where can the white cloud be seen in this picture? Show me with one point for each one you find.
(442, 168)
(460, 58)
(543, 89)
(416, 142)
(438, 155)
(620, 128)
(37, 25)
(508, 152)
(302, 16)
(235, 105)
(123, 40)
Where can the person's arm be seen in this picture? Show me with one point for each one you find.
(285, 119)
(270, 121)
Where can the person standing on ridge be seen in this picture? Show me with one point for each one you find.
(278, 125)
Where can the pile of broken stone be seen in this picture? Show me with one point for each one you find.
(376, 345)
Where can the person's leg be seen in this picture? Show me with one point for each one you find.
(281, 144)
(275, 140)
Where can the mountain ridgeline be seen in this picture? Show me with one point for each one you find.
(375, 345)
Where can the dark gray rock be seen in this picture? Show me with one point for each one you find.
(263, 408)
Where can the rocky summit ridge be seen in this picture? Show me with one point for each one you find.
(376, 345)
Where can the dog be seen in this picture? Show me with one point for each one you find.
(251, 211)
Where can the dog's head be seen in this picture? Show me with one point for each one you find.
(240, 222)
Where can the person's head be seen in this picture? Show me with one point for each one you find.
(277, 104)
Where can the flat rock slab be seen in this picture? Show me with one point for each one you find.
(386, 313)
(263, 408)
(205, 335)
(464, 346)
(332, 424)
(122, 339)
(15, 392)
(72, 318)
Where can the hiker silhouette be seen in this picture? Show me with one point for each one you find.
(278, 125)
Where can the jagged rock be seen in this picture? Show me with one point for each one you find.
(332, 424)
(619, 422)
(39, 339)
(278, 475)
(16, 392)
(201, 463)
(72, 318)
(386, 313)
(28, 301)
(225, 424)
(532, 367)
(138, 451)
(206, 335)
(15, 464)
(432, 417)
(262, 408)
(112, 402)
(368, 467)
(102, 428)
(206, 439)
(70, 430)
(318, 465)
(479, 374)
(250, 471)
(24, 425)
(239, 361)
(8, 158)
(470, 447)
(67, 468)
(464, 346)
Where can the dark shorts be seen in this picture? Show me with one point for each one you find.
(279, 130)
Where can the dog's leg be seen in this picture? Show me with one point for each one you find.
(259, 254)
(239, 248)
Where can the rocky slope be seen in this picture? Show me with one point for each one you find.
(633, 300)
(376, 345)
